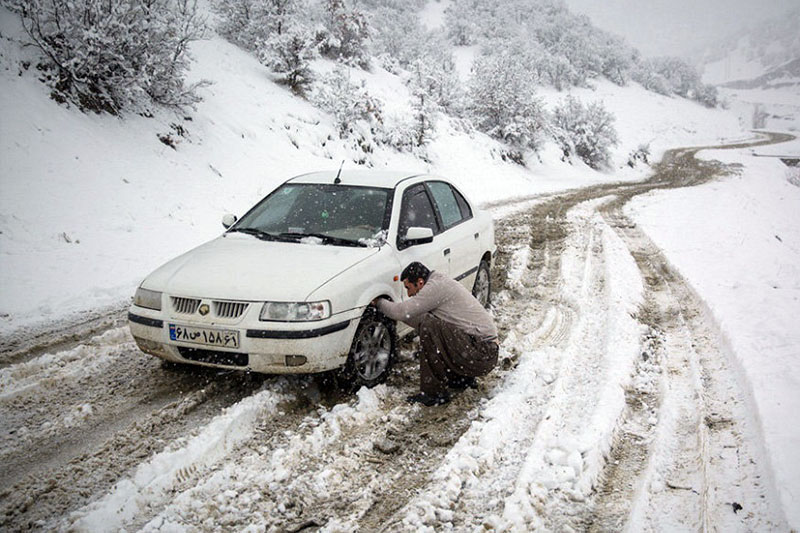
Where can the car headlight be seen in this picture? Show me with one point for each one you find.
(147, 298)
(295, 311)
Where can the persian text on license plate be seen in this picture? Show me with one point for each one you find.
(223, 338)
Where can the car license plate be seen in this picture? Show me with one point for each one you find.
(223, 338)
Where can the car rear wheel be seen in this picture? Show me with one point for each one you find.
(482, 290)
(372, 352)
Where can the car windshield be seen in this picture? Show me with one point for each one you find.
(319, 213)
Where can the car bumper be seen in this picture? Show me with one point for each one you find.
(267, 347)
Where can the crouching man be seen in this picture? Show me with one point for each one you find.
(457, 335)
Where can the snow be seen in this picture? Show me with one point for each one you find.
(432, 15)
(737, 241)
(154, 482)
(91, 204)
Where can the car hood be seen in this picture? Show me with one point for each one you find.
(241, 267)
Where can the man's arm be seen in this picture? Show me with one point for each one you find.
(426, 300)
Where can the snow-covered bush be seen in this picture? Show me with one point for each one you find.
(502, 102)
(640, 154)
(399, 35)
(347, 101)
(585, 131)
(423, 85)
(110, 56)
(707, 95)
(344, 33)
(672, 75)
(289, 53)
(570, 50)
(250, 23)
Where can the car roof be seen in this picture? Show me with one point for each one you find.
(375, 178)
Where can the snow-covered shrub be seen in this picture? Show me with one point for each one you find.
(344, 33)
(250, 23)
(651, 80)
(347, 101)
(640, 154)
(110, 56)
(464, 20)
(681, 77)
(707, 95)
(423, 87)
(289, 54)
(502, 102)
(400, 135)
(571, 51)
(585, 131)
(672, 75)
(435, 76)
(399, 35)
(618, 59)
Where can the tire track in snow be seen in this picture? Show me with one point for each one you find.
(470, 483)
(77, 420)
(682, 448)
(567, 451)
(154, 481)
(470, 489)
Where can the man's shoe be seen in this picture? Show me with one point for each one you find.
(463, 382)
(429, 400)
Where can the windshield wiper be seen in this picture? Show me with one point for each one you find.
(263, 235)
(326, 239)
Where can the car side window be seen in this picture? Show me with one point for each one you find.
(446, 202)
(417, 210)
(463, 205)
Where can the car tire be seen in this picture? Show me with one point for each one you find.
(372, 352)
(482, 289)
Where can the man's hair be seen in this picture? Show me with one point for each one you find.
(414, 272)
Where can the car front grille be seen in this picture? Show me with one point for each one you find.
(229, 309)
(185, 305)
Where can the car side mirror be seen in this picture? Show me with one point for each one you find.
(229, 220)
(417, 235)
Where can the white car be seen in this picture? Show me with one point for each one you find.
(287, 288)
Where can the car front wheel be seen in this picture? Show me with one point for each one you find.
(482, 290)
(372, 352)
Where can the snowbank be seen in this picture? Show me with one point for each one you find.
(90, 204)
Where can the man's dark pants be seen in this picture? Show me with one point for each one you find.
(448, 352)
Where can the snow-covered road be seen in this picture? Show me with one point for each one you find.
(613, 408)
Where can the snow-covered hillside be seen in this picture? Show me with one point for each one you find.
(91, 203)
(753, 52)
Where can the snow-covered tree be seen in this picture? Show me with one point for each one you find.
(672, 75)
(707, 95)
(585, 131)
(349, 102)
(110, 56)
(423, 85)
(289, 53)
(618, 59)
(250, 23)
(344, 34)
(681, 77)
(502, 102)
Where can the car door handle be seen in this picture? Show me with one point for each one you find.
(447, 251)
